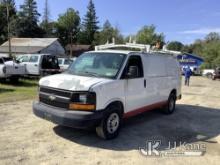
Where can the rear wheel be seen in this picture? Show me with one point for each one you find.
(111, 123)
(213, 77)
(171, 104)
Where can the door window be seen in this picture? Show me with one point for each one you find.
(134, 61)
(34, 59)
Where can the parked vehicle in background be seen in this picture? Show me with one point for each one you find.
(102, 87)
(64, 63)
(10, 69)
(216, 74)
(39, 64)
(208, 73)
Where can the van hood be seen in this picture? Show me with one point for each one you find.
(71, 82)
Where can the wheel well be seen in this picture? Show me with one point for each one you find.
(173, 92)
(118, 104)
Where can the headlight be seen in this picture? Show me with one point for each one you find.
(83, 101)
(83, 98)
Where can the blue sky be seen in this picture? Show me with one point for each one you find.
(182, 20)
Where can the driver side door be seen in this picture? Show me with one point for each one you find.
(134, 86)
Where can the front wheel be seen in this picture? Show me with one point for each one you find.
(110, 125)
(171, 104)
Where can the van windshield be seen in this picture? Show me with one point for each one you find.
(98, 65)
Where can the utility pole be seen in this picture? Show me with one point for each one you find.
(71, 43)
(9, 36)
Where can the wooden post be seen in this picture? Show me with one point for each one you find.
(9, 36)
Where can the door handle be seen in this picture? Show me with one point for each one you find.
(35, 65)
(145, 83)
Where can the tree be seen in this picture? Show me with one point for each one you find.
(68, 26)
(175, 45)
(3, 18)
(213, 36)
(27, 25)
(208, 49)
(90, 24)
(108, 33)
(147, 35)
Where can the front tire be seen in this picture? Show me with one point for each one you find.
(171, 104)
(111, 123)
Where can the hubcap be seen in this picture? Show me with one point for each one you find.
(113, 123)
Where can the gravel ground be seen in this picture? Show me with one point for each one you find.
(26, 139)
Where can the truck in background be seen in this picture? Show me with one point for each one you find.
(39, 64)
(10, 69)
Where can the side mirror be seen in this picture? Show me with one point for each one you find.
(132, 72)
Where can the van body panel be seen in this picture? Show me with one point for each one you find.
(108, 92)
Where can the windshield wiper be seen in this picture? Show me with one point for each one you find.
(92, 74)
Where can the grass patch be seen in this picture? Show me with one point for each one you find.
(23, 90)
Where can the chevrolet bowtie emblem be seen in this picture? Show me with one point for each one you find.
(52, 98)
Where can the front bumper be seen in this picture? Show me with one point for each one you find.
(75, 119)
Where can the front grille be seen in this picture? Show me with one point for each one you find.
(54, 103)
(57, 92)
(61, 99)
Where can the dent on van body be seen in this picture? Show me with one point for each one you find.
(70, 82)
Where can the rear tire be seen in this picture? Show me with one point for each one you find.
(171, 104)
(111, 123)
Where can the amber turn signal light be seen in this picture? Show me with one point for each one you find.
(86, 107)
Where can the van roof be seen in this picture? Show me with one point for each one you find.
(126, 52)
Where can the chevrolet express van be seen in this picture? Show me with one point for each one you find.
(103, 87)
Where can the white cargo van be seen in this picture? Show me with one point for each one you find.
(39, 64)
(102, 87)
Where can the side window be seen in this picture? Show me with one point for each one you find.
(60, 61)
(25, 59)
(1, 61)
(34, 59)
(134, 61)
(66, 62)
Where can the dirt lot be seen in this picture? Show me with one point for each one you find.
(26, 139)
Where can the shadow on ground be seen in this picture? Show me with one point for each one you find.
(188, 124)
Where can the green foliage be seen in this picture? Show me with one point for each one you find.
(68, 26)
(90, 24)
(147, 35)
(3, 18)
(108, 33)
(175, 45)
(209, 49)
(27, 24)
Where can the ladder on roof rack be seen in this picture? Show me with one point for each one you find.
(142, 47)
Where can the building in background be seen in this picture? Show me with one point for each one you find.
(191, 60)
(33, 46)
(77, 49)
